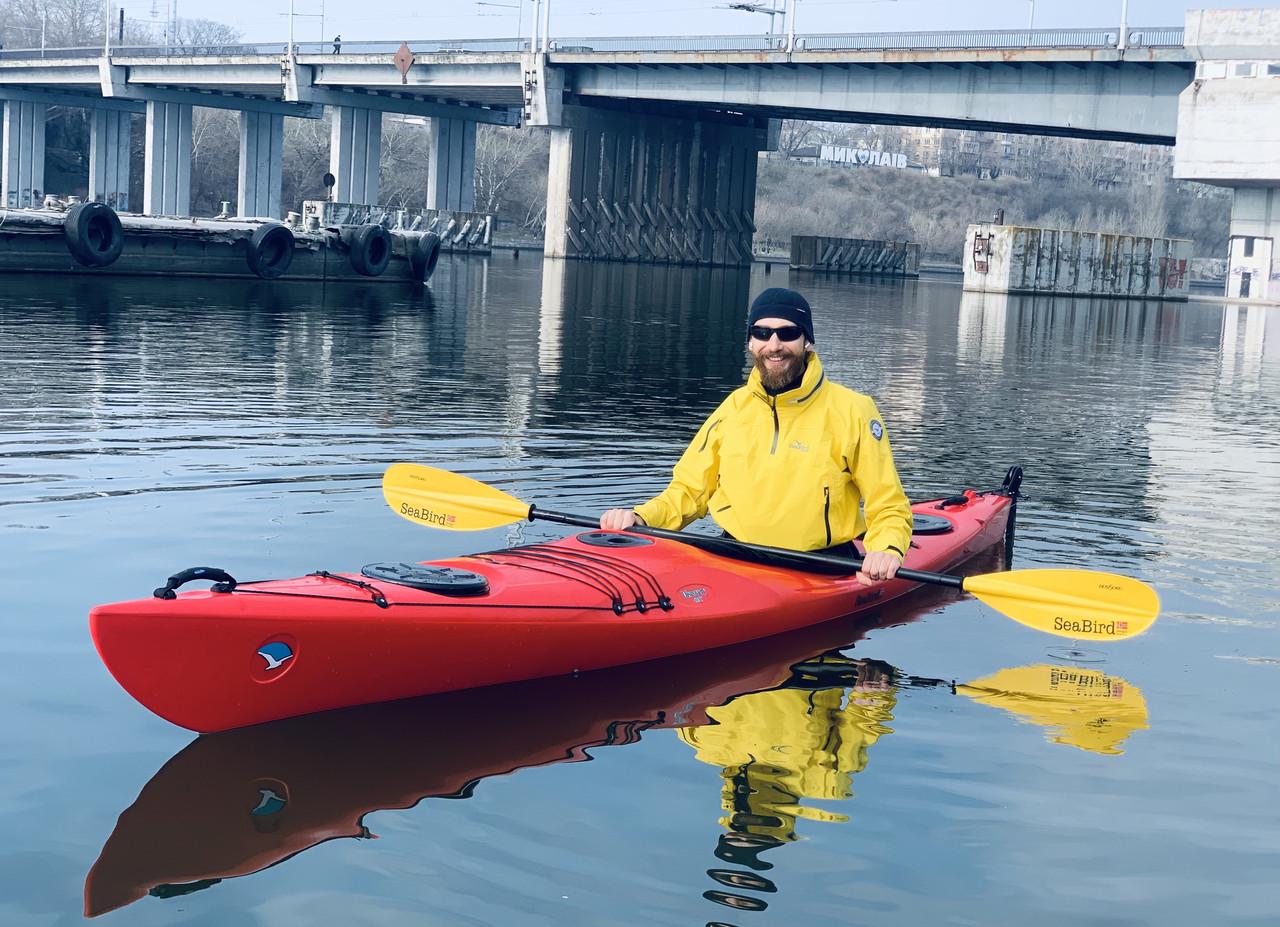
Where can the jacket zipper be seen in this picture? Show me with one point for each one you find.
(773, 404)
(826, 511)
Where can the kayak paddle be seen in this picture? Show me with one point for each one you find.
(1079, 604)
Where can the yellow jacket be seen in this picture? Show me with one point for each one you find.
(794, 470)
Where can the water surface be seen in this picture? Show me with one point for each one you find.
(831, 777)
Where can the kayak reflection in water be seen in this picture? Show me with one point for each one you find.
(791, 459)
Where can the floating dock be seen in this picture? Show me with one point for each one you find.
(327, 241)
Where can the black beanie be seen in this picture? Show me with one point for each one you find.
(780, 303)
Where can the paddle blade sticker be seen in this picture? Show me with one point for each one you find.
(440, 499)
(1078, 604)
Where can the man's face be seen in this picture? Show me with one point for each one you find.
(778, 361)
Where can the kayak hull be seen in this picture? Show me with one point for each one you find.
(211, 661)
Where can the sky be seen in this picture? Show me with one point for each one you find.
(355, 20)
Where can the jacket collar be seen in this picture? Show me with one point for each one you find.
(810, 383)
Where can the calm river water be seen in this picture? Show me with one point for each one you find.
(147, 426)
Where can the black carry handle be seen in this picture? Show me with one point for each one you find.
(223, 581)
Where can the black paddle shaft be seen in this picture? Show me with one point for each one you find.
(727, 546)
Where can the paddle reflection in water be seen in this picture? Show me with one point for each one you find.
(808, 738)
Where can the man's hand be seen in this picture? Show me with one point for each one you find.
(619, 519)
(878, 565)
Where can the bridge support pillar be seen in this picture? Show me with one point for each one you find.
(451, 175)
(261, 163)
(166, 180)
(109, 136)
(22, 155)
(656, 188)
(1254, 255)
(355, 150)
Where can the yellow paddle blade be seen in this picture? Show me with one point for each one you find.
(440, 499)
(1082, 707)
(1080, 604)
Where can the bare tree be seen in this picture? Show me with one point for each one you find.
(306, 161)
(206, 37)
(796, 134)
(502, 154)
(404, 162)
(215, 159)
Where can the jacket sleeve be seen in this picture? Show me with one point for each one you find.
(692, 482)
(887, 509)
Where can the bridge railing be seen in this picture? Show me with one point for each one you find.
(693, 43)
(1157, 37)
(421, 46)
(1145, 37)
(961, 39)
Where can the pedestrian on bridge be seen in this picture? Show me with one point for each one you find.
(337, 44)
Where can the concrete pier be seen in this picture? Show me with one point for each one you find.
(1229, 135)
(261, 165)
(22, 154)
(109, 136)
(624, 186)
(451, 175)
(1014, 259)
(166, 182)
(1253, 268)
(355, 151)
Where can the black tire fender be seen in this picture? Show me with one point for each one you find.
(424, 256)
(269, 250)
(94, 235)
(370, 250)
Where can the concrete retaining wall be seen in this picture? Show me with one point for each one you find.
(855, 256)
(1016, 259)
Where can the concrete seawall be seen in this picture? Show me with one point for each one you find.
(1017, 259)
(855, 256)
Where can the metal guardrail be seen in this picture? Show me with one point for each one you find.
(961, 39)
(692, 43)
(1157, 37)
(420, 47)
(1145, 37)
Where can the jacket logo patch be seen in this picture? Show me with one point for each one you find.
(877, 430)
(800, 446)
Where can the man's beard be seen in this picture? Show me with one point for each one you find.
(781, 377)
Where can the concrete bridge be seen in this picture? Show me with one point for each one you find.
(654, 141)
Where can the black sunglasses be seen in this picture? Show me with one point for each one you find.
(784, 333)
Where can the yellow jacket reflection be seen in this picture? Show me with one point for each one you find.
(778, 747)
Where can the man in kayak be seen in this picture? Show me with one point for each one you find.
(791, 459)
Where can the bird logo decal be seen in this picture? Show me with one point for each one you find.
(269, 802)
(276, 653)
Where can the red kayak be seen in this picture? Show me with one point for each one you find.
(241, 654)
